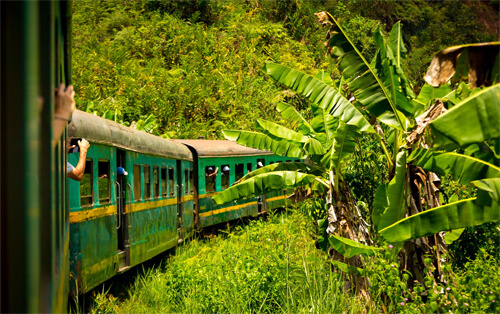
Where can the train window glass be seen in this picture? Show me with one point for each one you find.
(171, 181)
(103, 181)
(272, 162)
(249, 167)
(86, 185)
(147, 182)
(225, 176)
(288, 161)
(156, 186)
(137, 182)
(163, 173)
(191, 182)
(297, 160)
(186, 182)
(239, 170)
(210, 175)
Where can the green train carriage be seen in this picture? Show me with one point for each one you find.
(240, 160)
(117, 225)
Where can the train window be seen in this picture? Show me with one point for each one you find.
(86, 185)
(156, 186)
(186, 182)
(171, 181)
(103, 181)
(249, 167)
(164, 192)
(137, 182)
(239, 170)
(147, 182)
(210, 175)
(225, 176)
(191, 182)
(288, 161)
(272, 162)
(297, 160)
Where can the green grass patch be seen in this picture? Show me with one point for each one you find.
(265, 266)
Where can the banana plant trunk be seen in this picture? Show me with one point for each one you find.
(345, 220)
(423, 195)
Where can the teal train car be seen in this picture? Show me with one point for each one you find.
(117, 223)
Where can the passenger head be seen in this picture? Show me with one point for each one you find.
(120, 172)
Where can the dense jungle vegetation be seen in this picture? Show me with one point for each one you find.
(183, 69)
(195, 66)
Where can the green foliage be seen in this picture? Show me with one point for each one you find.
(265, 267)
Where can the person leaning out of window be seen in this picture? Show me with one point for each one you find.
(64, 107)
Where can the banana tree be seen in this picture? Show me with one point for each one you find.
(325, 140)
(408, 208)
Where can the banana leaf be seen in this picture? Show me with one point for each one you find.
(453, 235)
(428, 93)
(281, 131)
(462, 168)
(294, 118)
(348, 269)
(388, 204)
(465, 213)
(323, 122)
(368, 89)
(389, 71)
(319, 93)
(349, 248)
(474, 120)
(284, 166)
(264, 142)
(344, 143)
(264, 183)
(477, 62)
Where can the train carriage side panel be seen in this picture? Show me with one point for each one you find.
(93, 220)
(153, 224)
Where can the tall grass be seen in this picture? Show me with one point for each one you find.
(266, 266)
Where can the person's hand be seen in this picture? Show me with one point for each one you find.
(65, 102)
(69, 147)
(84, 145)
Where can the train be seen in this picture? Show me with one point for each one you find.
(60, 237)
(119, 221)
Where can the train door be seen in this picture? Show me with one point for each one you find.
(123, 203)
(180, 204)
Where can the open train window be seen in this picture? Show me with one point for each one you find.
(260, 163)
(210, 175)
(137, 182)
(191, 182)
(249, 167)
(186, 182)
(147, 182)
(225, 176)
(171, 181)
(156, 186)
(164, 192)
(86, 186)
(239, 170)
(103, 181)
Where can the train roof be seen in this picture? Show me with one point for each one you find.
(103, 131)
(218, 148)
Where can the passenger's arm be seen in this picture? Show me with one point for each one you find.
(78, 172)
(64, 107)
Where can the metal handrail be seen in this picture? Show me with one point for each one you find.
(130, 204)
(119, 205)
